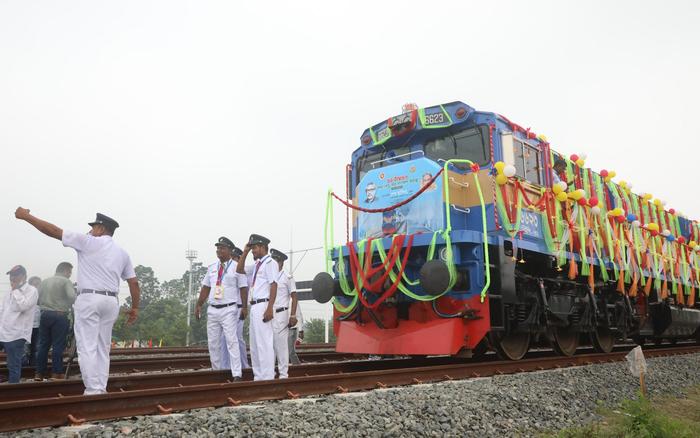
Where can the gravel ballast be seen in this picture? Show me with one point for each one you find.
(509, 405)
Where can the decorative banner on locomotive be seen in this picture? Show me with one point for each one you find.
(388, 186)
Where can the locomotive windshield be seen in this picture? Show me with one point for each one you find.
(470, 144)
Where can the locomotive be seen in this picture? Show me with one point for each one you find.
(467, 232)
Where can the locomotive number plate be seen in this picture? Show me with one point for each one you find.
(530, 224)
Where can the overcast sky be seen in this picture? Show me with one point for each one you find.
(186, 121)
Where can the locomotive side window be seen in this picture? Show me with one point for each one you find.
(527, 162)
(364, 164)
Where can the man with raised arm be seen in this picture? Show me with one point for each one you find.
(262, 278)
(101, 264)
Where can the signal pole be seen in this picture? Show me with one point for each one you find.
(190, 255)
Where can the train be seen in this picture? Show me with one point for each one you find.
(466, 232)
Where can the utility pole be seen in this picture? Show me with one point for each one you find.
(190, 255)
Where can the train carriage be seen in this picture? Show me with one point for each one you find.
(464, 238)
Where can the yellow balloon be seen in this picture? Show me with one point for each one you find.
(607, 179)
(692, 244)
(501, 179)
(648, 196)
(651, 226)
(623, 184)
(556, 188)
(658, 202)
(499, 165)
(561, 196)
(580, 162)
(612, 174)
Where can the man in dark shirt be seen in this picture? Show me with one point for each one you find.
(56, 296)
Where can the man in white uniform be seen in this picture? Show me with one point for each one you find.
(285, 305)
(101, 264)
(242, 347)
(262, 277)
(16, 317)
(229, 289)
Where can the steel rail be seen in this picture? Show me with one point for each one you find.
(23, 414)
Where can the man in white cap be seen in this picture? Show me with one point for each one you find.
(242, 346)
(285, 313)
(16, 319)
(101, 265)
(262, 277)
(230, 289)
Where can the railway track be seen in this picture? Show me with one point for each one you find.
(190, 362)
(133, 395)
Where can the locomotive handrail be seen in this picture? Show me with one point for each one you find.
(448, 230)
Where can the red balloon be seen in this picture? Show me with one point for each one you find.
(593, 201)
(603, 173)
(654, 233)
(620, 219)
(582, 202)
(672, 211)
(681, 239)
(573, 157)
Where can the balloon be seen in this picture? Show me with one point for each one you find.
(672, 211)
(561, 197)
(631, 217)
(620, 219)
(582, 202)
(509, 170)
(617, 211)
(654, 233)
(604, 173)
(651, 226)
(563, 186)
(595, 210)
(593, 201)
(612, 174)
(556, 189)
(636, 224)
(681, 239)
(499, 165)
(577, 194)
(542, 137)
(666, 233)
(670, 238)
(501, 179)
(580, 162)
(607, 179)
(692, 244)
(622, 184)
(583, 156)
(657, 202)
(573, 157)
(648, 196)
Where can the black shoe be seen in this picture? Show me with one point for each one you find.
(237, 378)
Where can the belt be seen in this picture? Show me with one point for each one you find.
(99, 292)
(221, 306)
(261, 300)
(281, 309)
(55, 311)
(240, 306)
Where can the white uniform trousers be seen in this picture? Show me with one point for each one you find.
(242, 348)
(222, 323)
(280, 326)
(95, 315)
(262, 352)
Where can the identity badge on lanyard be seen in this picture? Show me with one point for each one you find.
(219, 290)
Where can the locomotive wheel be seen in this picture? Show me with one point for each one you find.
(512, 346)
(564, 340)
(603, 340)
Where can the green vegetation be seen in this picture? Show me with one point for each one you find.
(663, 417)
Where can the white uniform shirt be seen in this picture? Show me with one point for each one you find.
(261, 275)
(17, 313)
(231, 281)
(101, 262)
(300, 318)
(285, 287)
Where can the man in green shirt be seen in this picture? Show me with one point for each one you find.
(56, 296)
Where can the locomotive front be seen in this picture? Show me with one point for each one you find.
(413, 280)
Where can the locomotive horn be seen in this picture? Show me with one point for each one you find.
(323, 287)
(435, 277)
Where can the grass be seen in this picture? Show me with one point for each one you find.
(661, 418)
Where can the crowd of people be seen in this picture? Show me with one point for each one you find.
(35, 313)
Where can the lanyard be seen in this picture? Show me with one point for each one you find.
(260, 262)
(222, 272)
